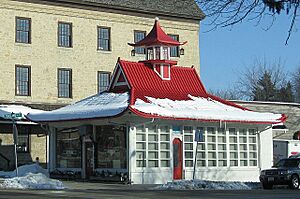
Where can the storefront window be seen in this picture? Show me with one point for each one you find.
(68, 149)
(111, 147)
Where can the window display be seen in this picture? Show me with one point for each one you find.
(111, 147)
(68, 150)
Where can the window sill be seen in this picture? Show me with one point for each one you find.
(22, 44)
(104, 51)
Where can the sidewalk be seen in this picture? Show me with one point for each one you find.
(75, 185)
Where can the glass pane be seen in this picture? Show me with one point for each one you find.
(252, 155)
(243, 163)
(188, 155)
(188, 138)
(243, 155)
(141, 163)
(222, 139)
(222, 163)
(201, 146)
(243, 139)
(140, 145)
(188, 130)
(152, 137)
(211, 146)
(211, 139)
(252, 139)
(232, 139)
(242, 131)
(164, 154)
(243, 147)
(152, 155)
(140, 155)
(152, 146)
(141, 137)
(164, 137)
(252, 132)
(211, 155)
(222, 147)
(164, 129)
(201, 155)
(164, 146)
(233, 155)
(165, 163)
(233, 147)
(153, 163)
(232, 131)
(201, 163)
(189, 163)
(188, 146)
(222, 155)
(211, 130)
(233, 163)
(212, 163)
(252, 147)
(253, 163)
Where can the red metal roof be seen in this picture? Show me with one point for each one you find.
(145, 82)
(157, 37)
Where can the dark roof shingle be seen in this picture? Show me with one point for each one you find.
(176, 8)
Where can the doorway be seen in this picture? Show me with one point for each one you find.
(177, 159)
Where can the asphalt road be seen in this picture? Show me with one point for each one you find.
(150, 194)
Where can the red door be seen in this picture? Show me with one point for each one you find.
(177, 159)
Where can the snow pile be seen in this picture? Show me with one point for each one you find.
(24, 170)
(32, 181)
(211, 185)
(203, 109)
(8, 109)
(100, 105)
(29, 177)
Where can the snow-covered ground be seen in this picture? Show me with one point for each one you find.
(29, 177)
(204, 184)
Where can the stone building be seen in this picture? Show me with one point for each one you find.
(54, 53)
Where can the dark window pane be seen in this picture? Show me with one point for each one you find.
(22, 80)
(139, 35)
(103, 81)
(104, 38)
(65, 34)
(174, 51)
(22, 30)
(64, 83)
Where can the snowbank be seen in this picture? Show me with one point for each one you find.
(31, 181)
(8, 109)
(24, 170)
(29, 177)
(204, 184)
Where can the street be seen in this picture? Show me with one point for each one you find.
(111, 191)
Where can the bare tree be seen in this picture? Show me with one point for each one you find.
(249, 78)
(229, 12)
(296, 83)
(228, 94)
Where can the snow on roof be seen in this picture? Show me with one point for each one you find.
(8, 109)
(201, 108)
(96, 106)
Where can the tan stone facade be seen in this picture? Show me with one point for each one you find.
(44, 56)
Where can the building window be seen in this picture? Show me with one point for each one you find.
(23, 142)
(188, 146)
(64, 34)
(104, 38)
(174, 51)
(23, 80)
(139, 35)
(103, 81)
(65, 83)
(153, 146)
(110, 147)
(233, 148)
(68, 149)
(23, 30)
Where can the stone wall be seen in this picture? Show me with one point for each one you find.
(44, 56)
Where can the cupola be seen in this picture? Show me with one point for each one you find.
(157, 44)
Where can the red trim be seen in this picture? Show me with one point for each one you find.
(147, 115)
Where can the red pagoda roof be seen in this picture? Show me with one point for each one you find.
(157, 37)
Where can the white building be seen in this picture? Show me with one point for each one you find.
(143, 128)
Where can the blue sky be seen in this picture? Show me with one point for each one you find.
(225, 52)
